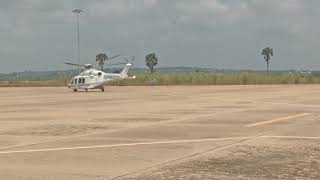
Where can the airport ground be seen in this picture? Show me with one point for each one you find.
(168, 132)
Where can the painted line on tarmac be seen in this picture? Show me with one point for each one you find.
(155, 143)
(291, 137)
(176, 120)
(125, 145)
(277, 120)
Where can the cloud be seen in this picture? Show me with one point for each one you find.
(120, 7)
(210, 12)
(150, 3)
(183, 32)
(112, 7)
(288, 15)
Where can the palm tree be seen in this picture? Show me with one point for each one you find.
(101, 58)
(267, 53)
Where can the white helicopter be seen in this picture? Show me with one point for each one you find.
(91, 78)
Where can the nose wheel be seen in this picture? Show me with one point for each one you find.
(102, 89)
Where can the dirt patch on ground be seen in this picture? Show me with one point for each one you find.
(275, 111)
(224, 107)
(56, 130)
(182, 111)
(247, 162)
(6, 143)
(130, 119)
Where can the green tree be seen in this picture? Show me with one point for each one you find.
(151, 61)
(267, 53)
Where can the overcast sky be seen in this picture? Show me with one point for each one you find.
(41, 34)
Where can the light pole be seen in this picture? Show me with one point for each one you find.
(77, 12)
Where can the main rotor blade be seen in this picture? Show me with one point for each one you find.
(114, 57)
(116, 64)
(132, 59)
(73, 64)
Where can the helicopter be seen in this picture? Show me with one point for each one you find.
(93, 78)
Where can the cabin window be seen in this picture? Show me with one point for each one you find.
(83, 81)
(75, 81)
(99, 73)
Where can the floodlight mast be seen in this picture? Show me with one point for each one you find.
(77, 12)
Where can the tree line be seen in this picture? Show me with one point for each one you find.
(151, 59)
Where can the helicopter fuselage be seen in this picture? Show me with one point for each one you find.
(96, 79)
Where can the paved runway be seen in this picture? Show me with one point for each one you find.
(174, 132)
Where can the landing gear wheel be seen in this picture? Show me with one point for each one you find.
(75, 90)
(102, 89)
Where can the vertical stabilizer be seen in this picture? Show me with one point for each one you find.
(124, 72)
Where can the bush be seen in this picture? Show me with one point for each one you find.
(192, 78)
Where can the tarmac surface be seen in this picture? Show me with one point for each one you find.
(175, 132)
